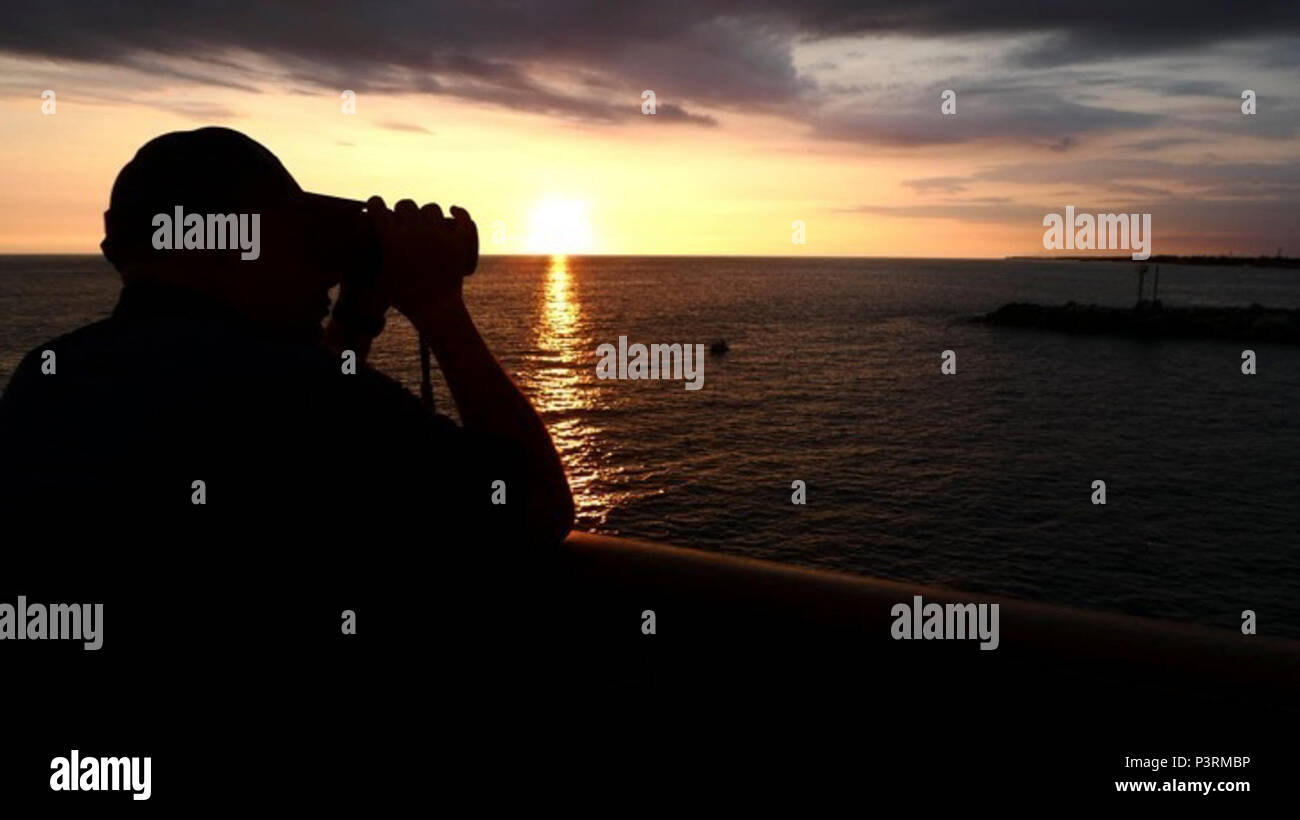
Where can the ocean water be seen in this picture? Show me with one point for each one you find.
(978, 481)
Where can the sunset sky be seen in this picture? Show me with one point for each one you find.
(529, 115)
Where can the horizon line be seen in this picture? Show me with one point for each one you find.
(1003, 258)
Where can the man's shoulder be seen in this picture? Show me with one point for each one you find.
(86, 336)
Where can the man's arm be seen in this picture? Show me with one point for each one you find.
(418, 248)
(344, 333)
(358, 315)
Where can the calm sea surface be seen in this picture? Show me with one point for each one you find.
(978, 481)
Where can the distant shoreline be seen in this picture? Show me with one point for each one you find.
(1152, 320)
(1172, 259)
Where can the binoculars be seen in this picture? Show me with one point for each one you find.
(349, 240)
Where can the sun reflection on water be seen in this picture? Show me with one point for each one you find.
(560, 384)
(564, 393)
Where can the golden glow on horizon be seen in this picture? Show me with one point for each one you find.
(642, 188)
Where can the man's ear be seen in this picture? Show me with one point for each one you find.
(107, 245)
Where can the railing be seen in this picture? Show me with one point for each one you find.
(817, 605)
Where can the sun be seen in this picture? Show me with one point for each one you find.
(560, 226)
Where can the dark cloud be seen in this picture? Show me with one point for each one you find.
(947, 185)
(404, 126)
(1134, 190)
(1039, 117)
(575, 58)
(159, 68)
(1198, 88)
(1208, 179)
(1157, 143)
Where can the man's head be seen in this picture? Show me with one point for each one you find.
(216, 212)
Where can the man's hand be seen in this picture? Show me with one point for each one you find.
(425, 255)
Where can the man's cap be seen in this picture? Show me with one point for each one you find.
(206, 171)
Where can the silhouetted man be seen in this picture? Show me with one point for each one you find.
(213, 381)
(347, 561)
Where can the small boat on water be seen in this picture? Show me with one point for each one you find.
(719, 347)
